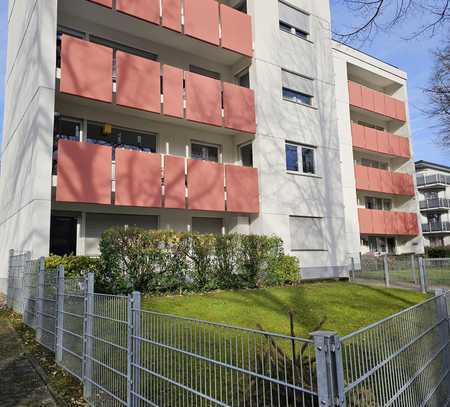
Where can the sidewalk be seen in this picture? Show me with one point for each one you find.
(20, 384)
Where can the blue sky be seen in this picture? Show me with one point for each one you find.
(412, 56)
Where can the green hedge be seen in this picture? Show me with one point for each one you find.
(438, 252)
(169, 262)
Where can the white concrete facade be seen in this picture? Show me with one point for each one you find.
(324, 203)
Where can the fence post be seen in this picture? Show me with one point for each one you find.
(9, 279)
(423, 275)
(444, 327)
(87, 336)
(134, 347)
(330, 370)
(413, 268)
(40, 298)
(26, 263)
(59, 315)
(353, 270)
(387, 281)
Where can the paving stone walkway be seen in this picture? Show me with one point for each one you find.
(20, 384)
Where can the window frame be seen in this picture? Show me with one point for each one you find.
(299, 101)
(240, 146)
(300, 162)
(206, 144)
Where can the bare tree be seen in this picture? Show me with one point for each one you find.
(383, 15)
(439, 94)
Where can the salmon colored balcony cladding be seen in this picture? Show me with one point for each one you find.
(86, 71)
(387, 182)
(205, 20)
(84, 173)
(85, 176)
(138, 179)
(374, 101)
(387, 223)
(369, 139)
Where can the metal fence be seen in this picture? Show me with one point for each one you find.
(128, 356)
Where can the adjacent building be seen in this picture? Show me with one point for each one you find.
(433, 184)
(217, 117)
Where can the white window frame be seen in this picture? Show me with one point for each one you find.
(240, 146)
(202, 143)
(300, 159)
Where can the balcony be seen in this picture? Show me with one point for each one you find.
(433, 181)
(366, 138)
(438, 227)
(387, 182)
(376, 102)
(149, 180)
(205, 21)
(387, 223)
(435, 204)
(149, 86)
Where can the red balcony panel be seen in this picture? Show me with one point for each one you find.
(383, 142)
(371, 139)
(138, 82)
(205, 186)
(390, 106)
(173, 91)
(400, 110)
(358, 136)
(377, 180)
(362, 177)
(204, 99)
(84, 173)
(365, 221)
(236, 30)
(138, 179)
(171, 14)
(379, 103)
(242, 189)
(86, 69)
(406, 185)
(394, 145)
(106, 3)
(412, 227)
(201, 20)
(239, 108)
(403, 147)
(368, 99)
(387, 182)
(355, 94)
(174, 182)
(379, 224)
(147, 10)
(389, 223)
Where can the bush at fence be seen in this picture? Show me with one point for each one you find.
(438, 252)
(167, 262)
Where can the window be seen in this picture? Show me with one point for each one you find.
(379, 244)
(306, 233)
(297, 88)
(205, 152)
(378, 203)
(205, 72)
(244, 80)
(300, 159)
(372, 126)
(242, 6)
(211, 226)
(65, 128)
(374, 164)
(63, 235)
(124, 48)
(293, 20)
(246, 152)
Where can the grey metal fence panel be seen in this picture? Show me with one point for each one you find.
(187, 362)
(16, 269)
(69, 352)
(437, 272)
(400, 361)
(30, 294)
(106, 357)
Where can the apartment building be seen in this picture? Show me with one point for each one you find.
(218, 117)
(433, 184)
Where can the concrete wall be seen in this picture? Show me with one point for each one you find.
(284, 194)
(25, 185)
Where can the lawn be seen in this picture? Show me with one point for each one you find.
(345, 306)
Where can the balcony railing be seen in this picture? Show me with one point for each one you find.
(205, 20)
(381, 142)
(437, 227)
(85, 174)
(387, 223)
(377, 102)
(435, 203)
(433, 180)
(147, 85)
(387, 182)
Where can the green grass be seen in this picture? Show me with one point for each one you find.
(346, 307)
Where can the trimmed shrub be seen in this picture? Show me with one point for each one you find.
(438, 252)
